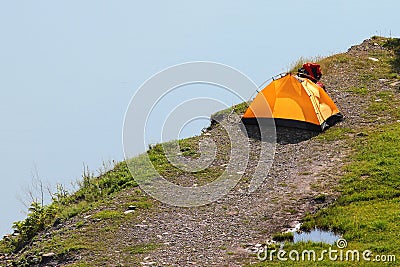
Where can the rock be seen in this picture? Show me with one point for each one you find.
(373, 59)
(35, 260)
(128, 211)
(56, 222)
(48, 256)
(232, 213)
(148, 263)
(395, 83)
(378, 100)
(131, 207)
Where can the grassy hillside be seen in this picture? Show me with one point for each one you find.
(353, 168)
(368, 210)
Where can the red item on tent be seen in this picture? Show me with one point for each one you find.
(313, 69)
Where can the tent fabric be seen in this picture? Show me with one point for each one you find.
(293, 102)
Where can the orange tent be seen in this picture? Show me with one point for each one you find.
(293, 102)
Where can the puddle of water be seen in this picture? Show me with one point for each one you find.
(316, 236)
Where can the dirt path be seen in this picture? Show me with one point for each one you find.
(304, 168)
(216, 234)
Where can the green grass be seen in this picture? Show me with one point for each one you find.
(108, 215)
(394, 45)
(140, 203)
(239, 109)
(384, 104)
(335, 133)
(358, 90)
(161, 165)
(368, 211)
(92, 191)
(80, 264)
(142, 248)
(279, 237)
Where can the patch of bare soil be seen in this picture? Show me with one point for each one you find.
(303, 168)
(219, 234)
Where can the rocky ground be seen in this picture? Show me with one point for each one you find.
(222, 233)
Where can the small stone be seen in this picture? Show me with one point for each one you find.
(87, 216)
(148, 263)
(49, 255)
(395, 83)
(146, 258)
(56, 222)
(128, 211)
(131, 207)
(373, 59)
(297, 226)
(378, 100)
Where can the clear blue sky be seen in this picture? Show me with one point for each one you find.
(69, 68)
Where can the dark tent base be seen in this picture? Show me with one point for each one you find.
(332, 120)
